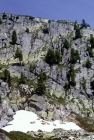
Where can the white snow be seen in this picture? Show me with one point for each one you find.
(22, 119)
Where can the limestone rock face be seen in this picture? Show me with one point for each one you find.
(10, 112)
(44, 115)
(58, 94)
(34, 46)
(61, 97)
(37, 99)
(14, 95)
(56, 115)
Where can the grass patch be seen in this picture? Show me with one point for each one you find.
(57, 101)
(3, 66)
(77, 70)
(60, 66)
(86, 123)
(16, 135)
(61, 100)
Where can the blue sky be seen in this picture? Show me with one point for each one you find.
(52, 9)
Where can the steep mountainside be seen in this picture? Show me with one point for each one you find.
(47, 67)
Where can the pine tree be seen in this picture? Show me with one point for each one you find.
(57, 57)
(50, 57)
(0, 21)
(41, 89)
(14, 37)
(66, 44)
(27, 30)
(22, 79)
(53, 57)
(88, 64)
(74, 56)
(6, 73)
(92, 41)
(9, 80)
(78, 33)
(4, 15)
(7, 77)
(18, 54)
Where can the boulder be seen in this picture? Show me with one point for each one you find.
(4, 84)
(50, 115)
(10, 112)
(48, 135)
(38, 101)
(56, 115)
(58, 94)
(21, 100)
(14, 107)
(58, 87)
(3, 122)
(44, 114)
(51, 92)
(14, 95)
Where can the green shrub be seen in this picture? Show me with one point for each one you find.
(57, 57)
(7, 77)
(49, 21)
(31, 18)
(0, 21)
(66, 86)
(41, 89)
(84, 24)
(75, 25)
(78, 34)
(22, 79)
(31, 68)
(27, 30)
(50, 57)
(4, 15)
(42, 76)
(72, 82)
(92, 84)
(6, 73)
(18, 54)
(53, 57)
(46, 31)
(66, 44)
(74, 56)
(9, 80)
(84, 83)
(88, 64)
(71, 76)
(89, 49)
(77, 31)
(92, 41)
(17, 17)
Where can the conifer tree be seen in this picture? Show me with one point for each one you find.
(18, 54)
(14, 37)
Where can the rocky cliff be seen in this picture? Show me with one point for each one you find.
(69, 83)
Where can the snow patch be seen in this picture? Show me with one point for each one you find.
(28, 121)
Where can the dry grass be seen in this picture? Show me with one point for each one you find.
(82, 122)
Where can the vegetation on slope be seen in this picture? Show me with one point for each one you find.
(16, 135)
